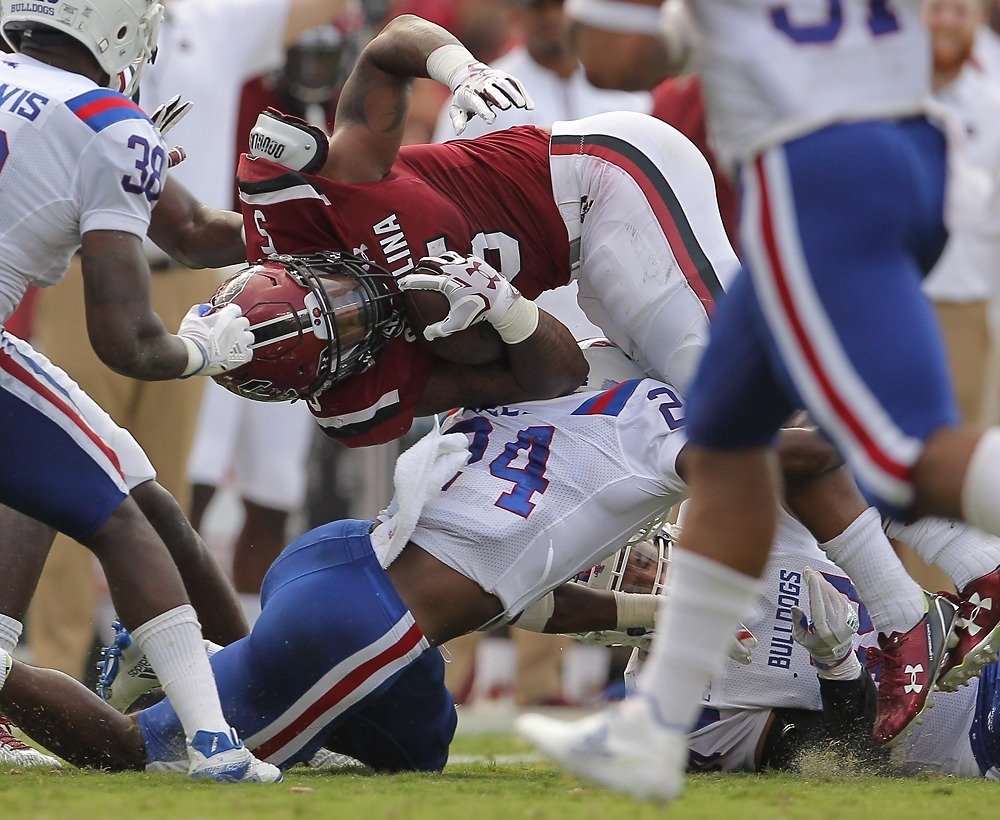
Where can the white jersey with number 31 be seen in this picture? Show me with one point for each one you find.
(776, 70)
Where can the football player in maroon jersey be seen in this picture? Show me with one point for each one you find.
(621, 202)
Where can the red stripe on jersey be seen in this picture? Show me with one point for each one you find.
(844, 412)
(660, 210)
(26, 378)
(340, 690)
(102, 104)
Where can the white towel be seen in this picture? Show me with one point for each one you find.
(419, 475)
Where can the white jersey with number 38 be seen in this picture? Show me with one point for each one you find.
(73, 158)
(776, 70)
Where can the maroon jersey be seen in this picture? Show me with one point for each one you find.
(491, 196)
(377, 406)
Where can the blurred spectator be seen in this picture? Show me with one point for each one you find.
(207, 50)
(619, 42)
(959, 284)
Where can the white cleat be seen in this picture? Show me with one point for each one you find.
(15, 752)
(125, 672)
(221, 756)
(625, 748)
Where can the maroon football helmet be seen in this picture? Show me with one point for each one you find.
(316, 319)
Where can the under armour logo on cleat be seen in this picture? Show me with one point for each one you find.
(978, 605)
(913, 686)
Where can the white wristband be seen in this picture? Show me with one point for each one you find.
(615, 15)
(536, 615)
(197, 358)
(847, 669)
(446, 62)
(519, 322)
(636, 609)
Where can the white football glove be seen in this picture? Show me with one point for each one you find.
(479, 89)
(168, 114)
(165, 117)
(217, 340)
(476, 293)
(828, 632)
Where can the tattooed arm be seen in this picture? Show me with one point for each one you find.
(371, 113)
(548, 363)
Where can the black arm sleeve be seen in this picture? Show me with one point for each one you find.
(849, 716)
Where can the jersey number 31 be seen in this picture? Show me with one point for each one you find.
(880, 21)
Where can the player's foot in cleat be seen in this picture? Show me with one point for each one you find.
(14, 752)
(911, 663)
(326, 759)
(626, 748)
(125, 674)
(978, 632)
(222, 756)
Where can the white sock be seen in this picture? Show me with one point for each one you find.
(6, 661)
(962, 552)
(174, 646)
(10, 633)
(701, 610)
(894, 600)
(250, 604)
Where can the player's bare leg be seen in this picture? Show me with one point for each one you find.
(147, 591)
(68, 719)
(641, 746)
(207, 585)
(24, 546)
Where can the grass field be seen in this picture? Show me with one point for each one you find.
(491, 776)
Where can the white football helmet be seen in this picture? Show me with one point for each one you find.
(609, 366)
(639, 566)
(121, 34)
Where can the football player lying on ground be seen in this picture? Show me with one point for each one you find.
(809, 682)
(362, 315)
(493, 512)
(959, 736)
(620, 202)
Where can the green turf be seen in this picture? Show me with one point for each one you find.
(483, 791)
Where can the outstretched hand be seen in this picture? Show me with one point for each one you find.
(217, 340)
(828, 632)
(482, 90)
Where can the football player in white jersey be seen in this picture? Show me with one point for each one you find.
(542, 490)
(82, 168)
(494, 511)
(821, 110)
